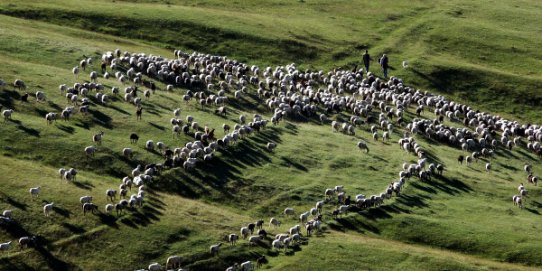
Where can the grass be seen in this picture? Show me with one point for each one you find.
(446, 224)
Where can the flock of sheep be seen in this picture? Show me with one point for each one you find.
(369, 102)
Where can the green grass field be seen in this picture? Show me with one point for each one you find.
(485, 54)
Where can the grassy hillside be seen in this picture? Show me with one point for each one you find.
(484, 53)
(464, 220)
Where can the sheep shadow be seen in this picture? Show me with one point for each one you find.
(61, 211)
(17, 204)
(118, 109)
(536, 212)
(159, 127)
(294, 164)
(73, 228)
(29, 131)
(108, 220)
(64, 128)
(83, 185)
(101, 118)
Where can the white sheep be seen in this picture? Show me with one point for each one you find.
(149, 145)
(127, 152)
(5, 246)
(288, 211)
(271, 146)
(320, 206)
(155, 267)
(109, 208)
(246, 266)
(274, 222)
(254, 239)
(90, 150)
(85, 199)
(277, 244)
(7, 114)
(7, 213)
(215, 249)
(47, 208)
(40, 96)
(362, 146)
(232, 238)
(304, 217)
(173, 262)
(244, 232)
(35, 191)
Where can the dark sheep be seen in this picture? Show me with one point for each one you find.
(134, 138)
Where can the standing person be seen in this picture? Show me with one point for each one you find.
(384, 65)
(366, 59)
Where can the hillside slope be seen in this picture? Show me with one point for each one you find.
(447, 223)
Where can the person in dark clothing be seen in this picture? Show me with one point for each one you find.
(366, 60)
(384, 65)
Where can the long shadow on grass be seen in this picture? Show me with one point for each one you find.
(220, 170)
(101, 118)
(13, 202)
(29, 131)
(16, 231)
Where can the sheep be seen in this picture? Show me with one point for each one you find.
(7, 114)
(7, 213)
(242, 119)
(517, 201)
(109, 208)
(215, 249)
(134, 138)
(127, 152)
(18, 83)
(89, 207)
(244, 232)
(362, 146)
(271, 146)
(119, 207)
(139, 111)
(173, 262)
(47, 208)
(274, 222)
(232, 238)
(528, 169)
(85, 199)
(73, 173)
(221, 111)
(90, 150)
(295, 229)
(488, 167)
(154, 267)
(97, 138)
(288, 211)
(26, 240)
(246, 266)
(5, 246)
(234, 267)
(35, 191)
(50, 117)
(160, 146)
(40, 96)
(149, 145)
(277, 244)
(111, 194)
(254, 239)
(304, 217)
(320, 206)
